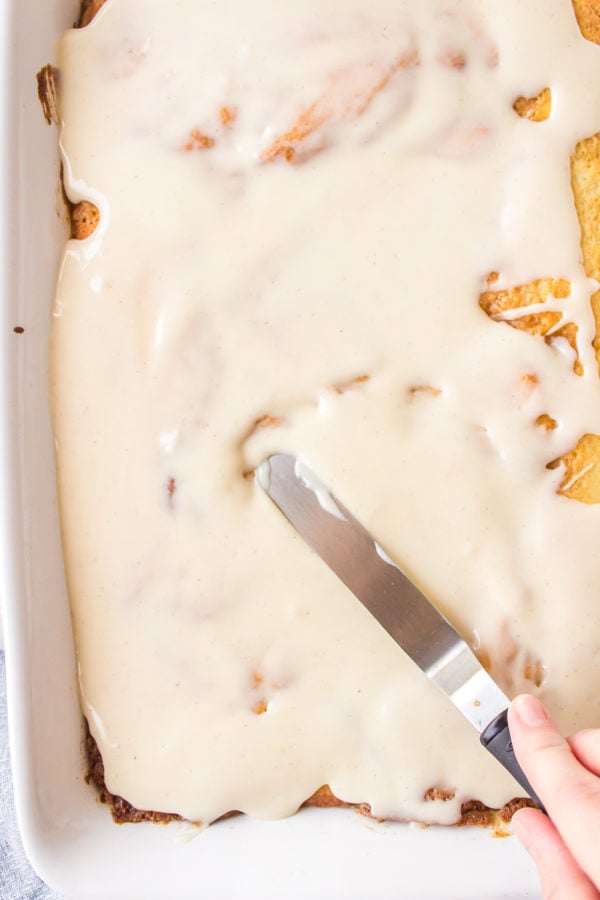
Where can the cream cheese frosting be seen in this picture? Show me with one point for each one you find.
(299, 207)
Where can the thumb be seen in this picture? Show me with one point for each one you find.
(561, 877)
(569, 791)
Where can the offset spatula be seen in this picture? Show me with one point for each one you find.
(397, 604)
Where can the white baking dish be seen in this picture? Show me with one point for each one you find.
(69, 837)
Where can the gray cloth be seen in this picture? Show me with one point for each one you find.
(18, 881)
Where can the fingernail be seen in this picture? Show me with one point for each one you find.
(519, 828)
(530, 711)
(522, 831)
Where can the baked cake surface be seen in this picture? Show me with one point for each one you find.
(311, 237)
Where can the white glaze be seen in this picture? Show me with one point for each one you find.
(221, 288)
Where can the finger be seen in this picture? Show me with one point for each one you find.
(560, 876)
(586, 747)
(569, 791)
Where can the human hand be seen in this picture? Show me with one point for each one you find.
(565, 773)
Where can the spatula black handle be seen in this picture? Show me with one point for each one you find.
(495, 737)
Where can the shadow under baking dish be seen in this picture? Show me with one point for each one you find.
(69, 837)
